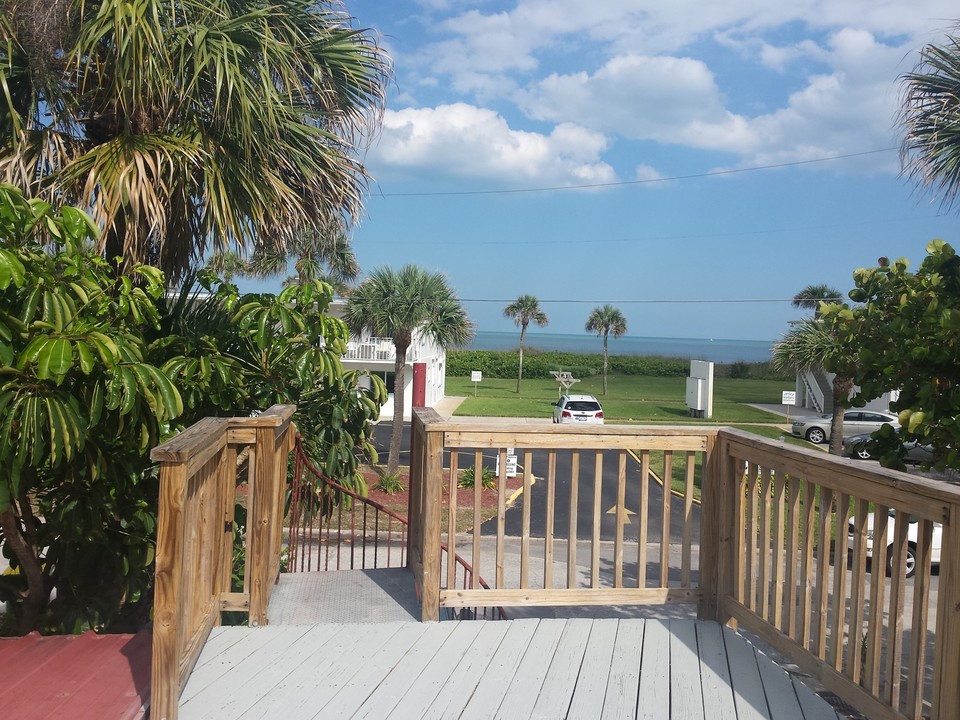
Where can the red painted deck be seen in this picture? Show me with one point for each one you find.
(82, 677)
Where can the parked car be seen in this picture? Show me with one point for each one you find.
(912, 534)
(578, 409)
(816, 428)
(854, 446)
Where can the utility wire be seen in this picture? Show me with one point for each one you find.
(623, 183)
(649, 302)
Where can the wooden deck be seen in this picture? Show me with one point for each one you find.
(318, 666)
(82, 677)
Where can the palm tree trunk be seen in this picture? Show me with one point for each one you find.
(396, 436)
(523, 335)
(605, 362)
(841, 390)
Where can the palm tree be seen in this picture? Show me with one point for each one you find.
(812, 295)
(606, 320)
(810, 345)
(323, 253)
(187, 127)
(930, 114)
(398, 304)
(523, 311)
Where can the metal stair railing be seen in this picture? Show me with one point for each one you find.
(334, 528)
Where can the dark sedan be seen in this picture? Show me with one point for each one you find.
(855, 446)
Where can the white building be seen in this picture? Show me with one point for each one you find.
(377, 355)
(815, 392)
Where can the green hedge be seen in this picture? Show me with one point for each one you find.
(539, 363)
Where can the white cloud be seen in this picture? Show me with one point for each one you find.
(677, 101)
(512, 39)
(645, 173)
(665, 99)
(461, 140)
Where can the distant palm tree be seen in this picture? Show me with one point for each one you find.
(227, 265)
(810, 345)
(523, 311)
(398, 303)
(606, 321)
(322, 253)
(930, 114)
(812, 295)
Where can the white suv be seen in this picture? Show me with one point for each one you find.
(580, 409)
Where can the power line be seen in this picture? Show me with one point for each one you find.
(623, 183)
(650, 302)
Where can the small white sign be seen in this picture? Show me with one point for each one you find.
(789, 398)
(476, 376)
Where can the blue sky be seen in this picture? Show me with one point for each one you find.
(496, 104)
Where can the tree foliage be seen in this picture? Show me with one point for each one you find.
(930, 150)
(813, 344)
(905, 334)
(191, 125)
(812, 296)
(80, 405)
(98, 369)
(399, 304)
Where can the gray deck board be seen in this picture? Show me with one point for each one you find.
(310, 685)
(459, 686)
(591, 686)
(623, 684)
(427, 687)
(714, 672)
(748, 692)
(492, 684)
(525, 686)
(545, 669)
(654, 690)
(686, 685)
(561, 679)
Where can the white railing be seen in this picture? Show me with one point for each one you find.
(814, 390)
(375, 349)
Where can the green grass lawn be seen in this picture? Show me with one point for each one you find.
(629, 398)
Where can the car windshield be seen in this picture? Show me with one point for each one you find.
(582, 406)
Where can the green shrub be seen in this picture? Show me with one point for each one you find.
(487, 478)
(390, 483)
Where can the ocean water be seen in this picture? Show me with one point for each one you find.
(714, 350)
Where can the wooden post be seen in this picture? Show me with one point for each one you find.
(946, 674)
(414, 547)
(167, 643)
(711, 509)
(258, 524)
(430, 530)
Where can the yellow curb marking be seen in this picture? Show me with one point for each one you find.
(656, 477)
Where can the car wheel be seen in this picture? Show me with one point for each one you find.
(861, 452)
(816, 435)
(910, 566)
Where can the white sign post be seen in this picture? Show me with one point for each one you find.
(788, 398)
(476, 376)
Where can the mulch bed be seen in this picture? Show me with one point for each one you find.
(397, 502)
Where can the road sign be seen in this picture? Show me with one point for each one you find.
(789, 398)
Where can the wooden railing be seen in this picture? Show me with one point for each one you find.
(795, 530)
(755, 532)
(195, 529)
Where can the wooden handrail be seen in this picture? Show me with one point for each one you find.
(195, 526)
